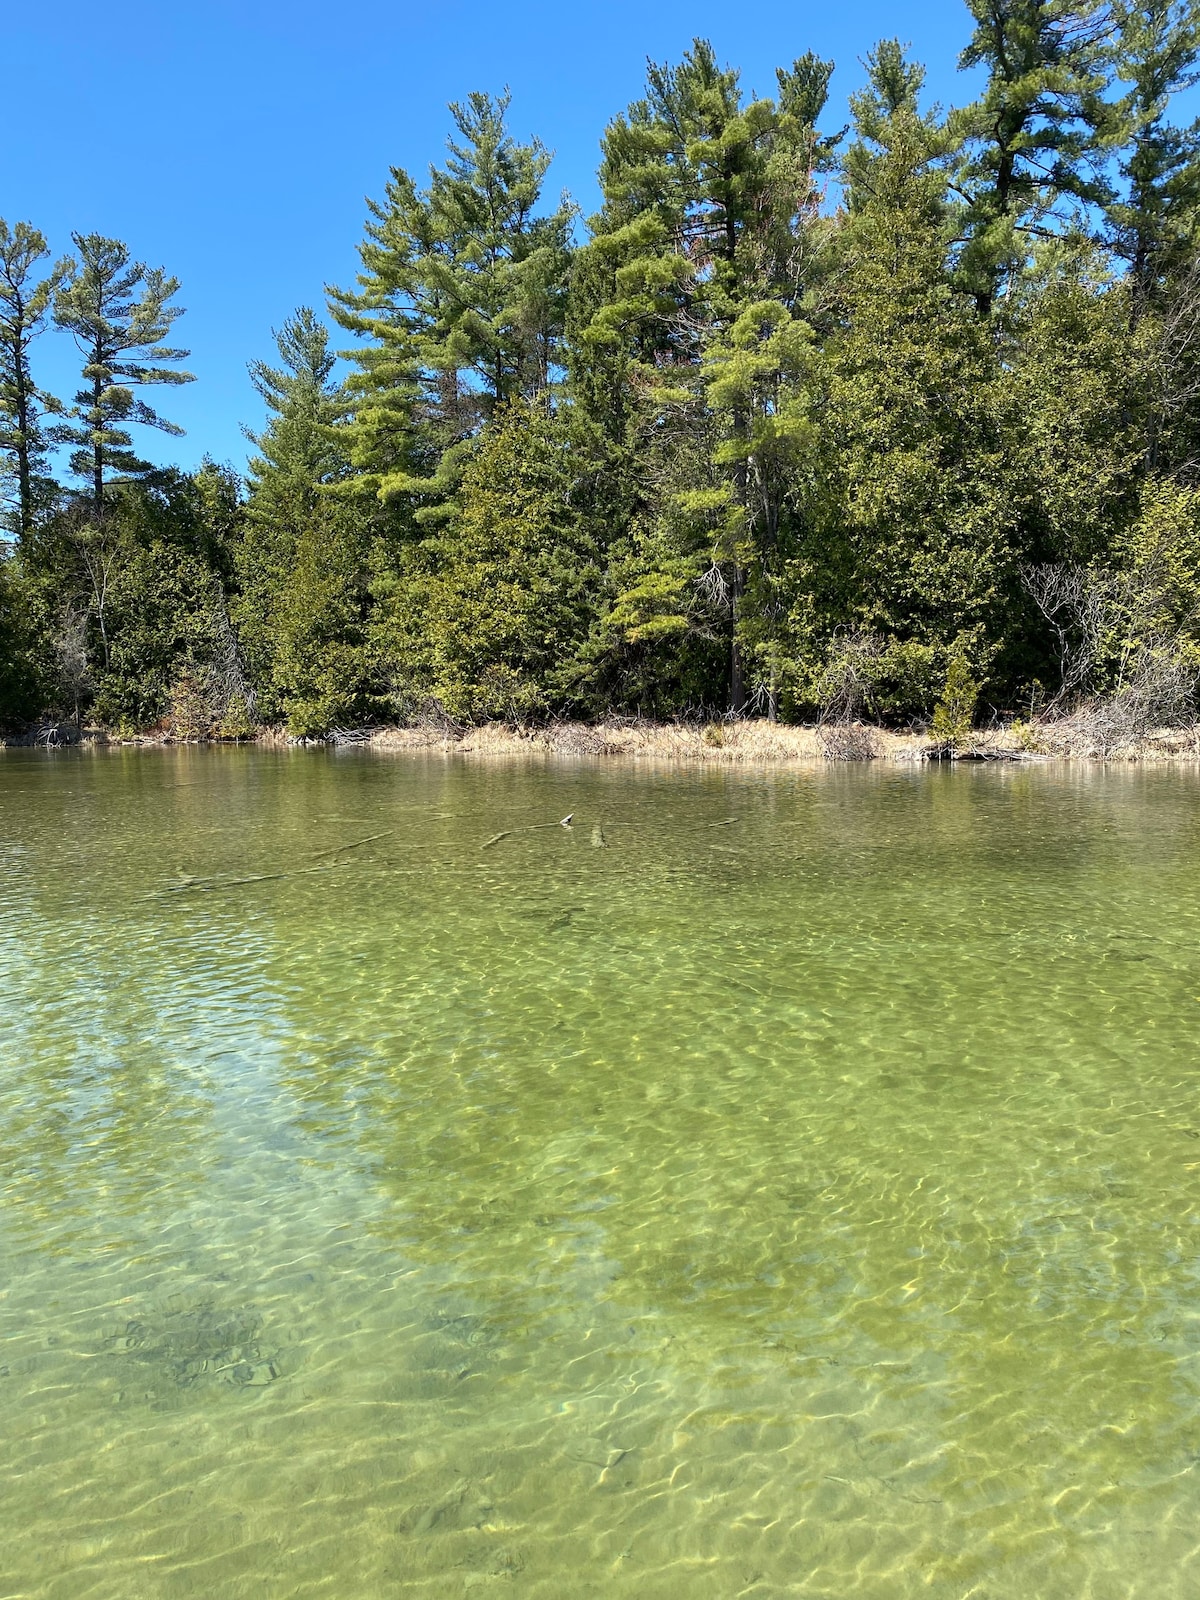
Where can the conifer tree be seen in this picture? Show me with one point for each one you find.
(696, 272)
(299, 456)
(21, 683)
(1157, 53)
(695, 183)
(899, 158)
(505, 609)
(24, 304)
(119, 313)
(1077, 372)
(909, 517)
(298, 450)
(460, 303)
(323, 670)
(1032, 139)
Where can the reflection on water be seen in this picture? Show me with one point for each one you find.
(798, 1196)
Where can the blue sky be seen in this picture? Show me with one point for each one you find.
(233, 143)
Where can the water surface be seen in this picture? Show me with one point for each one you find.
(797, 1194)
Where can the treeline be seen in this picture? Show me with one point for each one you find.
(867, 421)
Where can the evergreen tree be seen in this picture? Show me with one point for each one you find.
(696, 274)
(24, 304)
(1076, 371)
(1154, 220)
(899, 160)
(299, 451)
(1033, 138)
(494, 624)
(662, 642)
(702, 198)
(908, 519)
(119, 314)
(300, 456)
(461, 304)
(22, 678)
(324, 670)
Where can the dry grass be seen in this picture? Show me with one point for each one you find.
(753, 743)
(761, 743)
(1094, 738)
(743, 743)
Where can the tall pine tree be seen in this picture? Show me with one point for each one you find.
(298, 450)
(24, 305)
(1032, 141)
(1154, 220)
(687, 310)
(120, 316)
(460, 305)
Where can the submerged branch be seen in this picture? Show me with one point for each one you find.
(533, 827)
(357, 844)
(208, 884)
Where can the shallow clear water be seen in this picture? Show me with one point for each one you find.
(799, 1195)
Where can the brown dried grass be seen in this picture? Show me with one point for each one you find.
(732, 743)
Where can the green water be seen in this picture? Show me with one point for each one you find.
(799, 1195)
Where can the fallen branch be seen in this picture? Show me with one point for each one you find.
(533, 827)
(208, 884)
(357, 845)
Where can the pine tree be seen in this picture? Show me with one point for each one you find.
(900, 156)
(299, 451)
(687, 300)
(695, 183)
(1155, 218)
(24, 304)
(121, 333)
(299, 456)
(460, 303)
(1033, 138)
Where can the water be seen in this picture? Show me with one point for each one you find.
(798, 1195)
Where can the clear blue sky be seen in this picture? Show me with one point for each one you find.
(233, 143)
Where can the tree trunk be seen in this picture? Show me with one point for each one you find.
(22, 402)
(24, 482)
(737, 687)
(97, 446)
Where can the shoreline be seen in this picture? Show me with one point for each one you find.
(760, 743)
(716, 743)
